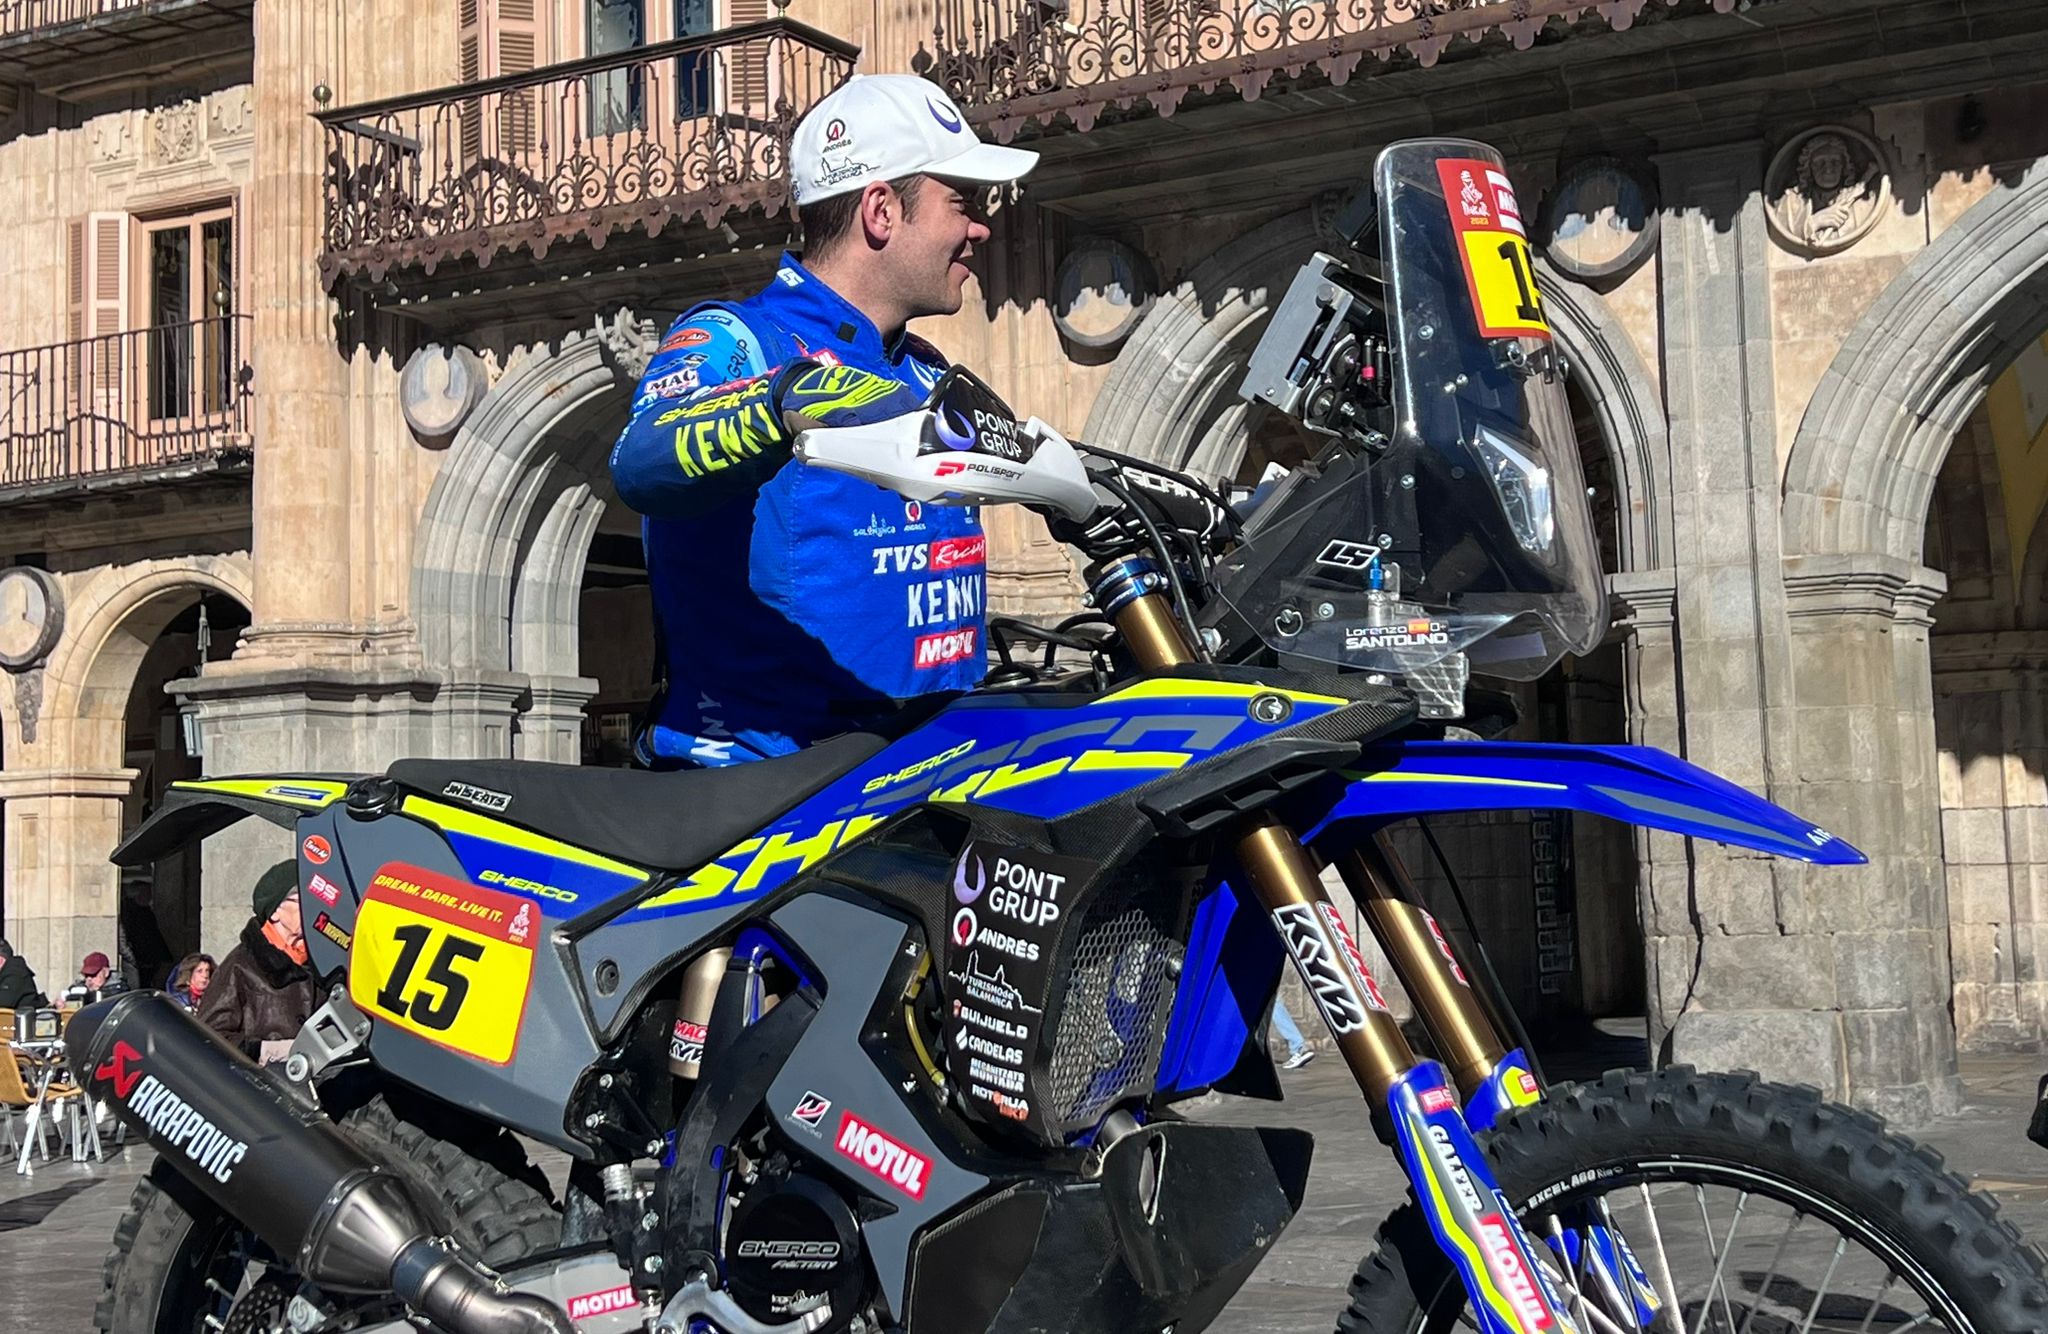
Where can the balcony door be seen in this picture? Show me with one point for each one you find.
(188, 294)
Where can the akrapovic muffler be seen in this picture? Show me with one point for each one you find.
(280, 1167)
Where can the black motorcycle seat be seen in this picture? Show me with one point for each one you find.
(663, 821)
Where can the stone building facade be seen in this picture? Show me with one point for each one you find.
(1796, 253)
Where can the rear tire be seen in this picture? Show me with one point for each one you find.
(1783, 1144)
(173, 1239)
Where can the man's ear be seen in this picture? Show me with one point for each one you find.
(880, 212)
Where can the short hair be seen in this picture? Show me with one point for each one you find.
(828, 222)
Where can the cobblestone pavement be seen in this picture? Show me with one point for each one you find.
(55, 1223)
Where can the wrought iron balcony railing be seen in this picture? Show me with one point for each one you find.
(695, 128)
(1011, 61)
(135, 402)
(49, 37)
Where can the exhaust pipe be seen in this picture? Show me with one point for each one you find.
(277, 1165)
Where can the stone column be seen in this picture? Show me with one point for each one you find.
(1993, 730)
(1645, 604)
(1867, 765)
(1741, 980)
(62, 892)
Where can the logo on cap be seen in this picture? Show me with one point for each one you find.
(948, 122)
(835, 131)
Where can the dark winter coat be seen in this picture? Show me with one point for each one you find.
(258, 994)
(18, 985)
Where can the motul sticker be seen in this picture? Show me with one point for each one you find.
(1505, 1260)
(901, 1168)
(602, 1303)
(947, 646)
(317, 849)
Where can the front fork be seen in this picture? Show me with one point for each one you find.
(1469, 1215)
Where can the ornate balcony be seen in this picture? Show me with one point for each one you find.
(1013, 61)
(41, 40)
(145, 405)
(690, 129)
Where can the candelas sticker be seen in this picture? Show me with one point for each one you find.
(1493, 245)
(444, 959)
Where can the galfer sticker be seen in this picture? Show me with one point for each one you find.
(1493, 247)
(899, 1167)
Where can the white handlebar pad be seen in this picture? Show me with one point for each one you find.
(895, 454)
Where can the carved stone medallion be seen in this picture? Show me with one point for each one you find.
(1826, 189)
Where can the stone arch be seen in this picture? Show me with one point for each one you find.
(1171, 395)
(504, 488)
(1863, 464)
(504, 538)
(112, 617)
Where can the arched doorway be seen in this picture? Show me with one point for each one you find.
(1556, 899)
(107, 741)
(529, 583)
(161, 904)
(1897, 466)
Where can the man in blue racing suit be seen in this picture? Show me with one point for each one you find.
(795, 603)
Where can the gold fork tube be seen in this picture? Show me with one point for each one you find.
(1285, 882)
(1451, 1011)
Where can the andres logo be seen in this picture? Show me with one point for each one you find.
(896, 1165)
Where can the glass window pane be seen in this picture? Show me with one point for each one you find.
(616, 95)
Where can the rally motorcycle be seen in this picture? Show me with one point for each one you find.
(897, 1033)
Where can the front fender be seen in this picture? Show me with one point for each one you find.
(1634, 784)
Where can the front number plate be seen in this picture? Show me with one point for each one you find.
(444, 959)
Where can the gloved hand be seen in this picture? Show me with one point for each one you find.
(809, 394)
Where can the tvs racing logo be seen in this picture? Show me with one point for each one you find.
(172, 1122)
(887, 1159)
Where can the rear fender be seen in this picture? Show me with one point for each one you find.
(199, 808)
(1638, 785)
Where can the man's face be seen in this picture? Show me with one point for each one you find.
(932, 245)
(287, 916)
(97, 978)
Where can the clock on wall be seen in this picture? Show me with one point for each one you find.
(31, 616)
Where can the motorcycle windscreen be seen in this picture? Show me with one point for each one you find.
(1477, 500)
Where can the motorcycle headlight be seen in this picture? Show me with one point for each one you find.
(1523, 485)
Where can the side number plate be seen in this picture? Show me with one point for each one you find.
(444, 959)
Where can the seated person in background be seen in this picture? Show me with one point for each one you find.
(96, 980)
(17, 982)
(262, 993)
(189, 982)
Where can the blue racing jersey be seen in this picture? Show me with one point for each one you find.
(792, 603)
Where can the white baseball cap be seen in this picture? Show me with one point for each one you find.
(882, 127)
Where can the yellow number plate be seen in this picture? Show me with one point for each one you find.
(444, 959)
(1499, 276)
